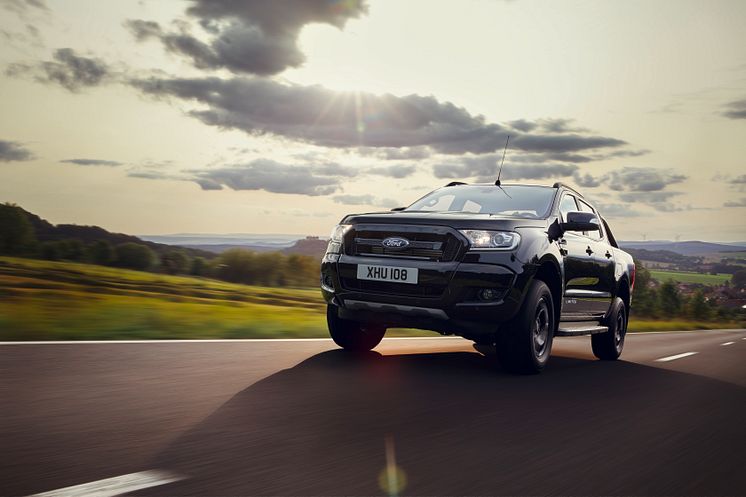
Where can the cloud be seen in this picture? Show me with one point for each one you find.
(252, 37)
(616, 210)
(658, 200)
(648, 197)
(405, 153)
(484, 167)
(586, 180)
(334, 169)
(268, 175)
(20, 7)
(735, 109)
(317, 115)
(365, 200)
(563, 143)
(642, 179)
(69, 70)
(13, 151)
(396, 171)
(92, 162)
(736, 203)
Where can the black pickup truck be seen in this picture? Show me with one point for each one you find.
(506, 265)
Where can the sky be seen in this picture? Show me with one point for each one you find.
(282, 116)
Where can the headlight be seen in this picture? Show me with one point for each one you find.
(339, 231)
(496, 240)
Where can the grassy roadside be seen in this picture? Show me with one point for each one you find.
(688, 277)
(44, 300)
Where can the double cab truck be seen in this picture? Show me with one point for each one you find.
(510, 266)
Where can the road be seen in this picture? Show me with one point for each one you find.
(303, 418)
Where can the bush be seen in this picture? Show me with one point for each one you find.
(175, 262)
(199, 267)
(16, 231)
(266, 268)
(101, 252)
(135, 256)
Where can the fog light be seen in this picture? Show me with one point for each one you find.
(488, 294)
(327, 281)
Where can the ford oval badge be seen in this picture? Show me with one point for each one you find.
(395, 242)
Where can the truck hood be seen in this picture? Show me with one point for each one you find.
(456, 220)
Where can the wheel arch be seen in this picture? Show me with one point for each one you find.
(624, 293)
(548, 270)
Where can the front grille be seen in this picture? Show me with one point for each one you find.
(384, 287)
(441, 247)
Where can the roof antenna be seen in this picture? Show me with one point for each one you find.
(497, 183)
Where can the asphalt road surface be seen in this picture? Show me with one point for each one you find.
(424, 416)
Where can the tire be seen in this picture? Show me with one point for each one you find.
(524, 346)
(351, 335)
(608, 346)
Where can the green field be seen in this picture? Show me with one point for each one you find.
(44, 300)
(684, 277)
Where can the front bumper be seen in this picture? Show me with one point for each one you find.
(444, 300)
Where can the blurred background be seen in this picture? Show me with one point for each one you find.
(171, 169)
(83, 282)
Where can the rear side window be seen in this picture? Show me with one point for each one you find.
(596, 235)
(567, 205)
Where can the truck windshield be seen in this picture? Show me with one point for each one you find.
(511, 200)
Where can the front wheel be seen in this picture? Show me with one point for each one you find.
(608, 346)
(526, 343)
(351, 335)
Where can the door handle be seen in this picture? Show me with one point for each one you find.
(588, 250)
(608, 254)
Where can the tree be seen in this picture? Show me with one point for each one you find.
(101, 252)
(50, 251)
(72, 249)
(669, 299)
(199, 267)
(135, 256)
(698, 307)
(238, 266)
(175, 262)
(16, 231)
(739, 279)
(645, 298)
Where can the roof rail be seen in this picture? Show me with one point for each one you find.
(455, 183)
(559, 184)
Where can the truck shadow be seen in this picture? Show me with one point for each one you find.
(459, 427)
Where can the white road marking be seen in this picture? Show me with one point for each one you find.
(726, 343)
(674, 357)
(115, 486)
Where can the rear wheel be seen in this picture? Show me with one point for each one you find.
(351, 335)
(525, 344)
(608, 346)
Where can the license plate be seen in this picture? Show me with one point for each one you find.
(387, 273)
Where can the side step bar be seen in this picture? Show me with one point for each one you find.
(580, 328)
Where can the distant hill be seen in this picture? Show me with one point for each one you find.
(689, 248)
(272, 241)
(311, 245)
(46, 232)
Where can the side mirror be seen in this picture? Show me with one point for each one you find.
(580, 221)
(398, 209)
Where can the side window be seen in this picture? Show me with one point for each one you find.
(567, 205)
(596, 235)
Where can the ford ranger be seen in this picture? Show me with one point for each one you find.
(509, 266)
